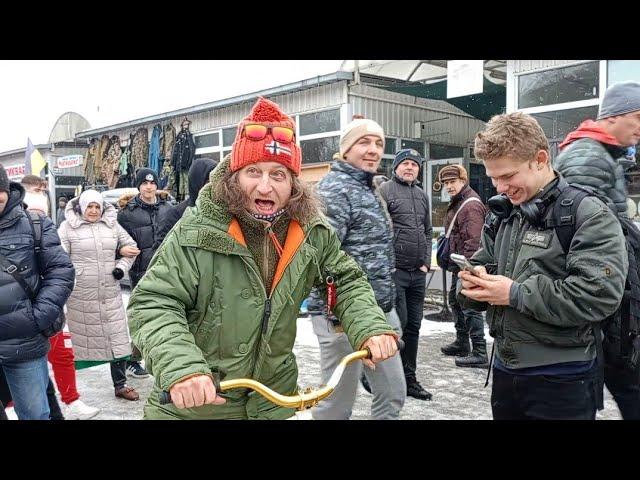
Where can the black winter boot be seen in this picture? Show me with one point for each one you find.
(459, 348)
(478, 357)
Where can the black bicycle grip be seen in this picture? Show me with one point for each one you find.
(165, 397)
(399, 344)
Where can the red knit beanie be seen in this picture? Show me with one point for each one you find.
(246, 151)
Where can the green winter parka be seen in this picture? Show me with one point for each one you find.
(202, 308)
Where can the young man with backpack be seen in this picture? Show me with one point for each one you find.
(545, 296)
(35, 283)
(594, 156)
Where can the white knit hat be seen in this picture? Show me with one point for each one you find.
(354, 131)
(87, 197)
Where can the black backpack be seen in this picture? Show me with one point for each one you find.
(619, 342)
(35, 222)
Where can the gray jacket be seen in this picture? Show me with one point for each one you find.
(355, 209)
(588, 163)
(554, 298)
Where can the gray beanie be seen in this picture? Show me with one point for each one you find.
(620, 98)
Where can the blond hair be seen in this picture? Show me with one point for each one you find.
(516, 135)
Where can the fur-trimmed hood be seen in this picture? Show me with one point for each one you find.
(127, 197)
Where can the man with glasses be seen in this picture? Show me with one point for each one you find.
(221, 296)
(356, 210)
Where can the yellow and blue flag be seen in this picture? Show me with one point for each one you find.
(33, 161)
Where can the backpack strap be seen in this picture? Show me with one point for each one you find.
(12, 270)
(563, 217)
(453, 220)
(35, 222)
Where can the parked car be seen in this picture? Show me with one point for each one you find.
(112, 196)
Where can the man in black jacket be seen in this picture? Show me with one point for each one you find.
(140, 216)
(408, 207)
(35, 282)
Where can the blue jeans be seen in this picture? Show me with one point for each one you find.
(27, 382)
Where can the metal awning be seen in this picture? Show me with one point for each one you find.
(428, 79)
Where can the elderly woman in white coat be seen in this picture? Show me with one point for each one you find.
(95, 313)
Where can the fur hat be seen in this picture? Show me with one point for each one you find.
(451, 172)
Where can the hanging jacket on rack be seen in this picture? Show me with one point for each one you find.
(125, 169)
(167, 174)
(110, 164)
(90, 160)
(103, 148)
(140, 148)
(183, 153)
(154, 149)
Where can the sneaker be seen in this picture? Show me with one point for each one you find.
(78, 410)
(127, 393)
(415, 390)
(134, 369)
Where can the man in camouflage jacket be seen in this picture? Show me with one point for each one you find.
(355, 209)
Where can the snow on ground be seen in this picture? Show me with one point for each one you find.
(458, 393)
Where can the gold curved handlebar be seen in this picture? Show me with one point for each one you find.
(307, 398)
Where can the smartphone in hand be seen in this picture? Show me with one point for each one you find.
(463, 263)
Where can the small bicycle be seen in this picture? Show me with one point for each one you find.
(306, 398)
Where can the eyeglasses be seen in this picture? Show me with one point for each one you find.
(258, 132)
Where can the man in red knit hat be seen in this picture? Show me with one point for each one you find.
(221, 296)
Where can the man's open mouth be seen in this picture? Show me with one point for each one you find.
(265, 206)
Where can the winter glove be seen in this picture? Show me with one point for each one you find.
(117, 273)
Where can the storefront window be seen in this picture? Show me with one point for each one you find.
(228, 136)
(623, 71)
(437, 151)
(207, 140)
(419, 146)
(560, 85)
(319, 122)
(559, 123)
(319, 149)
(390, 146)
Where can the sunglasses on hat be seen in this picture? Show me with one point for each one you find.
(257, 131)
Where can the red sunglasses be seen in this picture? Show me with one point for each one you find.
(256, 131)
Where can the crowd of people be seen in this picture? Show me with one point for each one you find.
(550, 264)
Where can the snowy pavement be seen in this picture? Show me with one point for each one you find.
(458, 393)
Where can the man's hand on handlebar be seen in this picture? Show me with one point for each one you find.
(381, 347)
(194, 392)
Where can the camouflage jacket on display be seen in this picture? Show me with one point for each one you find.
(140, 148)
(101, 153)
(355, 209)
(111, 163)
(90, 160)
